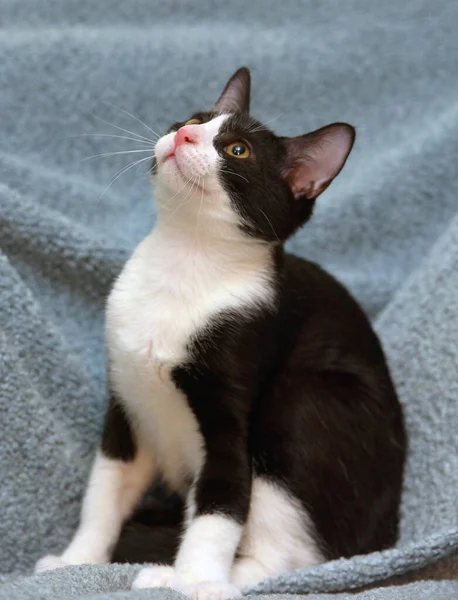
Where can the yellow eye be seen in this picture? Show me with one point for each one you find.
(237, 150)
(193, 122)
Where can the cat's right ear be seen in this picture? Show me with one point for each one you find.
(236, 95)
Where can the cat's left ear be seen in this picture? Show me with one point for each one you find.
(313, 160)
(236, 95)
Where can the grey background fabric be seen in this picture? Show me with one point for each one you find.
(103, 583)
(388, 228)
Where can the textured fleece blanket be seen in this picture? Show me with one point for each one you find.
(388, 228)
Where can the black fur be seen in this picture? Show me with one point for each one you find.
(117, 439)
(299, 394)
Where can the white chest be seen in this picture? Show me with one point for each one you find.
(166, 293)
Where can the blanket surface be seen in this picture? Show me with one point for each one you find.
(388, 228)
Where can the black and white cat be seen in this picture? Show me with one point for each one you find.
(246, 378)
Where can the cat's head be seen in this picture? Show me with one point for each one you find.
(224, 165)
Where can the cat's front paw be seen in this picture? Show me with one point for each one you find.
(212, 590)
(50, 563)
(158, 576)
(248, 571)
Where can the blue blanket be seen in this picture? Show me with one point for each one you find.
(388, 228)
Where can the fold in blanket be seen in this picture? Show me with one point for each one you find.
(388, 228)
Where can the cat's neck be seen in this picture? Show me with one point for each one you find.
(204, 230)
(213, 244)
(199, 267)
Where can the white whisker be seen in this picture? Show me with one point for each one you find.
(118, 175)
(263, 126)
(133, 117)
(119, 152)
(271, 226)
(200, 207)
(165, 204)
(124, 130)
(185, 200)
(232, 173)
(121, 137)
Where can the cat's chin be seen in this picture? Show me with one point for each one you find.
(172, 162)
(174, 178)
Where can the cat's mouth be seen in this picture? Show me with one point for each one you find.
(172, 158)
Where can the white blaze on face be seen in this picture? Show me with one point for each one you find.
(193, 159)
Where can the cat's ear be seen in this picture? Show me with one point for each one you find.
(313, 160)
(236, 94)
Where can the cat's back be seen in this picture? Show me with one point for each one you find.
(327, 318)
(308, 281)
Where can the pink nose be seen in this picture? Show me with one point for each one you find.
(184, 135)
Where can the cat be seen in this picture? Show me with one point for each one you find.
(248, 379)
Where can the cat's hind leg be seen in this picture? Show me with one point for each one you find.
(278, 536)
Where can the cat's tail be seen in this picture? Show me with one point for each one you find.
(149, 537)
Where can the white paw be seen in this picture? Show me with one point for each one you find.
(248, 571)
(157, 576)
(212, 590)
(50, 563)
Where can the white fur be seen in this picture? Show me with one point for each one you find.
(277, 538)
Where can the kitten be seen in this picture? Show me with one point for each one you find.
(248, 379)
